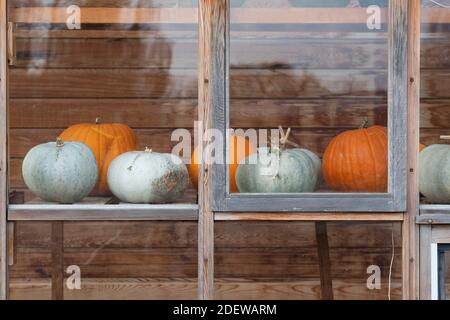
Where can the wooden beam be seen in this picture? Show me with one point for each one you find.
(343, 216)
(3, 150)
(106, 15)
(212, 23)
(323, 251)
(102, 212)
(433, 219)
(57, 247)
(11, 229)
(410, 261)
(90, 15)
(425, 262)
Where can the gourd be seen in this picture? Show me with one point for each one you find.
(241, 146)
(279, 170)
(434, 173)
(147, 177)
(357, 160)
(63, 172)
(107, 141)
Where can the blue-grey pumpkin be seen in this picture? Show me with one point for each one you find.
(148, 177)
(278, 171)
(62, 172)
(434, 173)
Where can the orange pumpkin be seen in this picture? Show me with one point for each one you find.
(421, 147)
(107, 141)
(236, 156)
(357, 161)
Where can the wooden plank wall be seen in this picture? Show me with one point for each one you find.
(257, 260)
(147, 78)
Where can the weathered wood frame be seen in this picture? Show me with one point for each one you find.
(3, 150)
(394, 200)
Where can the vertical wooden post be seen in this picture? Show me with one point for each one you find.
(323, 250)
(212, 22)
(57, 260)
(3, 150)
(409, 228)
(425, 262)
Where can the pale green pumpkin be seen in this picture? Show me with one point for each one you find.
(278, 171)
(147, 177)
(434, 173)
(63, 172)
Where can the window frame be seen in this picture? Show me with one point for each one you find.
(392, 201)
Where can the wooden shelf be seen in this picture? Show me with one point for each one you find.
(309, 217)
(189, 15)
(434, 214)
(100, 209)
(434, 208)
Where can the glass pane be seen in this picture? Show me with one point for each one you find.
(121, 79)
(117, 82)
(107, 260)
(280, 260)
(435, 103)
(318, 70)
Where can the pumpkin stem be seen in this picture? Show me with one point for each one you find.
(147, 149)
(365, 124)
(284, 140)
(59, 142)
(98, 120)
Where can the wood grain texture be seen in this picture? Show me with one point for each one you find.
(212, 22)
(410, 229)
(57, 255)
(398, 102)
(11, 230)
(227, 289)
(323, 251)
(3, 149)
(425, 262)
(182, 83)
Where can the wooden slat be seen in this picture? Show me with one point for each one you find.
(398, 102)
(410, 261)
(152, 83)
(11, 229)
(57, 250)
(185, 289)
(106, 15)
(230, 234)
(425, 262)
(105, 3)
(427, 218)
(286, 263)
(103, 83)
(181, 53)
(244, 113)
(245, 83)
(323, 251)
(212, 21)
(89, 212)
(308, 216)
(61, 113)
(189, 15)
(159, 140)
(3, 150)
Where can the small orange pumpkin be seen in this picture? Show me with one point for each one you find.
(107, 141)
(357, 161)
(236, 157)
